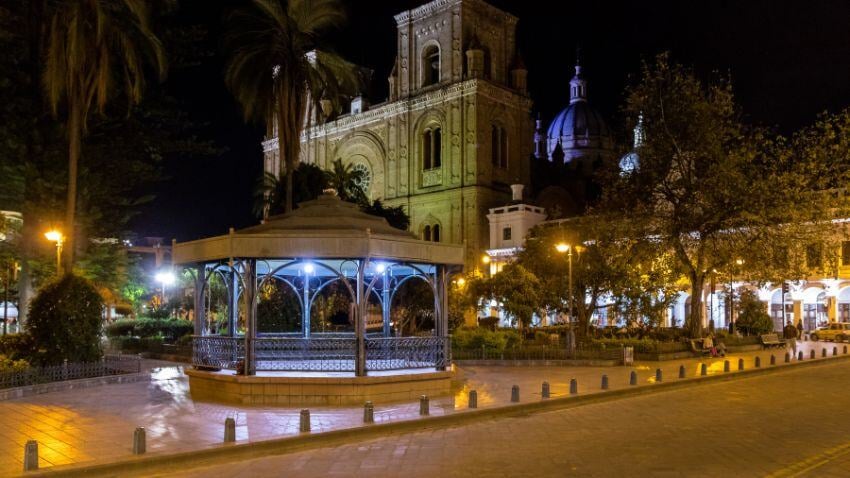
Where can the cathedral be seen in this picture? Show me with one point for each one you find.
(456, 131)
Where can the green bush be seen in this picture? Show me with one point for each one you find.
(8, 365)
(120, 328)
(65, 321)
(491, 340)
(17, 346)
(753, 319)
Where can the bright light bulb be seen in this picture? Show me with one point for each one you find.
(380, 267)
(53, 236)
(165, 278)
(561, 247)
(485, 259)
(308, 268)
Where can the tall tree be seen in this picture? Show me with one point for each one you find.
(347, 181)
(92, 47)
(709, 188)
(278, 74)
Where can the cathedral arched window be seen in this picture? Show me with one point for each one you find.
(431, 232)
(431, 65)
(499, 146)
(431, 147)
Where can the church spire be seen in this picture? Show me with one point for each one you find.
(578, 85)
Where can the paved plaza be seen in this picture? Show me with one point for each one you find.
(95, 425)
(782, 425)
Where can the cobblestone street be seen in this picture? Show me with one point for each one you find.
(788, 424)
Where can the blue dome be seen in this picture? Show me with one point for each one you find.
(579, 120)
(577, 128)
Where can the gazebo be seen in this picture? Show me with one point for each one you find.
(324, 242)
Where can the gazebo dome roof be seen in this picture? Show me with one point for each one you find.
(327, 213)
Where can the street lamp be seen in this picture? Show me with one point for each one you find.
(165, 278)
(59, 239)
(562, 248)
(485, 259)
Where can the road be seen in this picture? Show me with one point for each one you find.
(786, 424)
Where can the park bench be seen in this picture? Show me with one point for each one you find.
(771, 340)
(697, 348)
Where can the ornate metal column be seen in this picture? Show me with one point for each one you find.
(385, 301)
(360, 324)
(250, 276)
(200, 310)
(305, 306)
(232, 300)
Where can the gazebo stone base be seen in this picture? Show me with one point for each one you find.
(287, 390)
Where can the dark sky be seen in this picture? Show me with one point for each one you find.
(789, 60)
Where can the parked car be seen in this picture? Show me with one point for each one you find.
(836, 331)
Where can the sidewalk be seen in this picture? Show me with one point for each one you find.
(96, 425)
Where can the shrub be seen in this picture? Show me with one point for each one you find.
(120, 328)
(8, 365)
(491, 340)
(17, 346)
(65, 321)
(753, 319)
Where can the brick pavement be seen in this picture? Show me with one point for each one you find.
(96, 424)
(787, 424)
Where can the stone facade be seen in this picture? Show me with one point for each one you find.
(455, 131)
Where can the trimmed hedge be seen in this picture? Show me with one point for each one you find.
(169, 329)
(65, 321)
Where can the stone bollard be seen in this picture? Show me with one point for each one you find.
(758, 362)
(573, 386)
(633, 378)
(773, 359)
(740, 364)
(726, 366)
(31, 455)
(834, 351)
(544, 390)
(800, 355)
(139, 446)
(515, 393)
(368, 413)
(473, 399)
(681, 371)
(604, 382)
(812, 354)
(304, 425)
(823, 352)
(703, 370)
(424, 405)
(658, 376)
(229, 430)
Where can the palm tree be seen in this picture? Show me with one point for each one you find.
(277, 74)
(347, 181)
(94, 47)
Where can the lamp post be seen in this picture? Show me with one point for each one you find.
(59, 239)
(485, 259)
(562, 248)
(739, 263)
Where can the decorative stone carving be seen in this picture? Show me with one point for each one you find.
(432, 177)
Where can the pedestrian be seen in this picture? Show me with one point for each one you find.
(800, 329)
(708, 344)
(720, 348)
(790, 334)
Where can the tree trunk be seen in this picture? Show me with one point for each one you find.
(694, 319)
(288, 189)
(74, 140)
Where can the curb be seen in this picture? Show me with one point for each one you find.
(164, 462)
(42, 388)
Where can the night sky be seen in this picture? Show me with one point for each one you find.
(789, 61)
